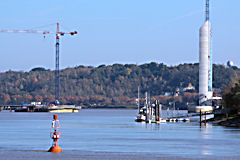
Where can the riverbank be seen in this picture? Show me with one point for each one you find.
(232, 121)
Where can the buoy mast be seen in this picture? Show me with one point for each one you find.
(55, 134)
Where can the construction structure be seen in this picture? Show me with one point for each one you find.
(58, 34)
(205, 64)
(57, 78)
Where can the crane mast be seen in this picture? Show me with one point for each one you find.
(58, 34)
(57, 78)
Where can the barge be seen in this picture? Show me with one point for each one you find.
(38, 107)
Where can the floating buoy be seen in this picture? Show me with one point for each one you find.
(55, 134)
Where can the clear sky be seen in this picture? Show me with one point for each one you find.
(116, 31)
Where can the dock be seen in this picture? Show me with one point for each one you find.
(41, 108)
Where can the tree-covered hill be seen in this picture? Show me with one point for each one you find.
(109, 85)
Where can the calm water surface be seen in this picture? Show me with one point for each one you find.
(113, 134)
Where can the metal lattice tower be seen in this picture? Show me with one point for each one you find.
(58, 34)
(57, 79)
(207, 10)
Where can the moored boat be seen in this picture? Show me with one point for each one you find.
(141, 116)
(63, 109)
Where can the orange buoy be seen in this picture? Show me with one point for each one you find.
(55, 134)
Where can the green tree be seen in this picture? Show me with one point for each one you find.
(231, 98)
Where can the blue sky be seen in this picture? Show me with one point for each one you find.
(116, 31)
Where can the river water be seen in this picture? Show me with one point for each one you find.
(112, 134)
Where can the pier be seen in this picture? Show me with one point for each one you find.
(41, 108)
(10, 107)
(152, 113)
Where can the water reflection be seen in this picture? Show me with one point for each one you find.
(206, 135)
(114, 131)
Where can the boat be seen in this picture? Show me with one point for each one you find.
(149, 113)
(52, 107)
(64, 109)
(141, 116)
(142, 111)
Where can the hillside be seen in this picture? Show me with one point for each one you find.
(109, 85)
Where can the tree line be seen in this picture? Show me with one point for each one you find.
(110, 84)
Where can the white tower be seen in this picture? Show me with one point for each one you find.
(205, 64)
(205, 73)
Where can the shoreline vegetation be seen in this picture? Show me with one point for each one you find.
(231, 105)
(230, 122)
(112, 85)
(223, 120)
(115, 87)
